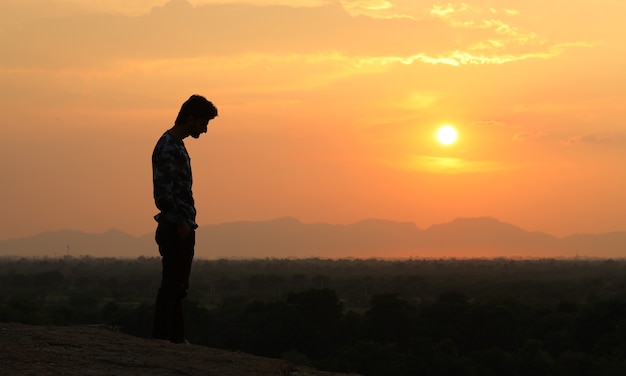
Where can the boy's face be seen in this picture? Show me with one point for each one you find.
(197, 126)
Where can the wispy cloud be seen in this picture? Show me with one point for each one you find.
(180, 30)
(375, 5)
(458, 58)
(450, 165)
(446, 10)
(488, 123)
(529, 136)
(595, 138)
(496, 39)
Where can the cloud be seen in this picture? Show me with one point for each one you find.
(449, 165)
(375, 5)
(522, 135)
(488, 123)
(179, 30)
(490, 40)
(529, 136)
(595, 138)
(446, 10)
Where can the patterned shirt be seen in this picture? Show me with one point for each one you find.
(171, 176)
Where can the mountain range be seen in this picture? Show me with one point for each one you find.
(481, 237)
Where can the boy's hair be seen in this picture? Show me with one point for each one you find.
(197, 106)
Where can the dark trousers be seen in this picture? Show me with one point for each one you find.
(177, 255)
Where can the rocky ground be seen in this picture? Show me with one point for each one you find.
(95, 351)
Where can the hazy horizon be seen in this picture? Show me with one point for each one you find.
(269, 220)
(329, 111)
(290, 238)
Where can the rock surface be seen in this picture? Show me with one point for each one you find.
(97, 351)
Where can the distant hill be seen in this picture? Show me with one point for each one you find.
(372, 238)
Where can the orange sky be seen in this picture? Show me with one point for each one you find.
(328, 111)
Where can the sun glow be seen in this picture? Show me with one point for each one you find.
(447, 135)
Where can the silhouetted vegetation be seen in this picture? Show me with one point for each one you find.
(414, 317)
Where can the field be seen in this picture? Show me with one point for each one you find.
(374, 317)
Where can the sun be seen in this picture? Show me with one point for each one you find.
(447, 135)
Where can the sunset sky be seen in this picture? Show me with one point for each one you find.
(329, 111)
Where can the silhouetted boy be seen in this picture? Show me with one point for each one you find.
(175, 234)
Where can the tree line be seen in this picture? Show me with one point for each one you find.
(373, 317)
